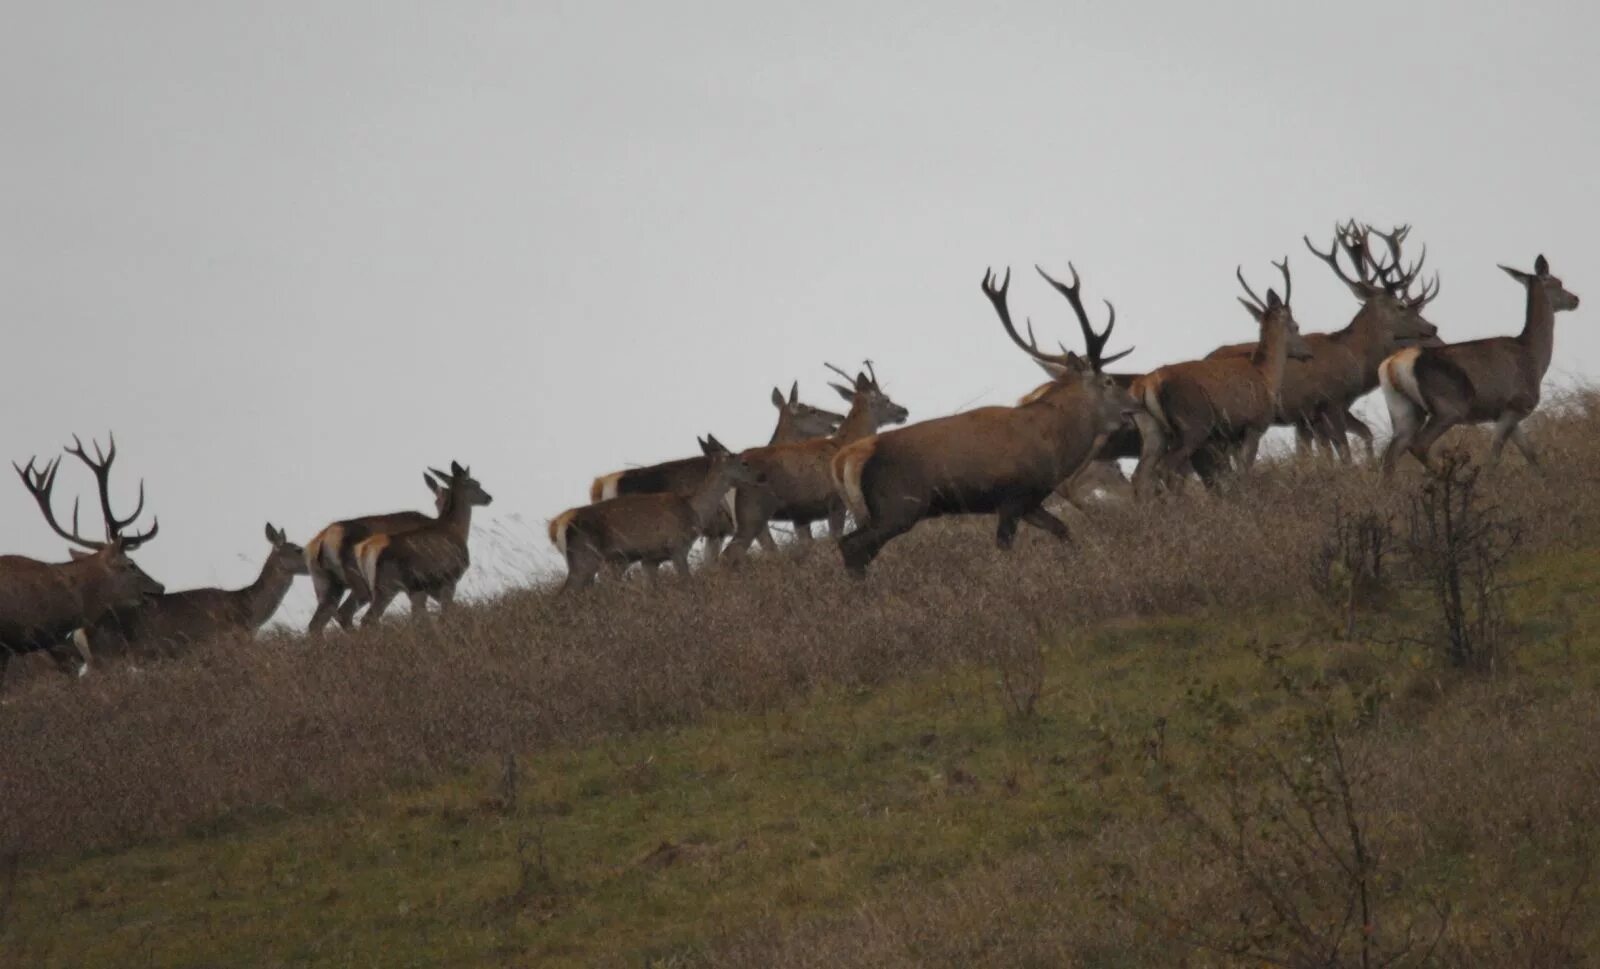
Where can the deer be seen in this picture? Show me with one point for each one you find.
(992, 460)
(331, 562)
(797, 421)
(43, 603)
(425, 562)
(1225, 400)
(1316, 394)
(797, 484)
(1429, 390)
(649, 528)
(167, 624)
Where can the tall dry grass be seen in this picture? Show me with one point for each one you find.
(120, 756)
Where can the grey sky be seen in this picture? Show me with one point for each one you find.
(294, 252)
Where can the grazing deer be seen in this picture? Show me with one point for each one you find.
(1432, 389)
(1226, 400)
(992, 460)
(42, 603)
(798, 486)
(796, 422)
(424, 562)
(1316, 394)
(649, 528)
(331, 560)
(166, 624)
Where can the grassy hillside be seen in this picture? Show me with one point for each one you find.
(972, 758)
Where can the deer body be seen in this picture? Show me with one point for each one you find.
(425, 562)
(331, 560)
(992, 460)
(645, 528)
(167, 623)
(1431, 389)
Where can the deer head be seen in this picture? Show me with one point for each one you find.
(461, 487)
(286, 556)
(1386, 289)
(865, 392)
(731, 467)
(1560, 297)
(805, 420)
(1274, 311)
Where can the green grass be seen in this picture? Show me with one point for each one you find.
(652, 846)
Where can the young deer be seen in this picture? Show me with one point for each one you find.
(1317, 393)
(1432, 389)
(331, 560)
(165, 625)
(1227, 400)
(796, 422)
(647, 528)
(424, 562)
(993, 460)
(798, 485)
(42, 603)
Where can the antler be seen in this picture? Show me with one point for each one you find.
(1256, 303)
(40, 482)
(1094, 342)
(1392, 284)
(1030, 346)
(1354, 241)
(100, 464)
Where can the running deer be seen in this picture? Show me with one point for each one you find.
(992, 460)
(798, 486)
(165, 625)
(331, 561)
(42, 603)
(1432, 389)
(649, 528)
(427, 562)
(796, 422)
(1317, 393)
(1220, 401)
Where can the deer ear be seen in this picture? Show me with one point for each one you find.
(1252, 309)
(714, 446)
(1541, 266)
(1273, 302)
(457, 470)
(843, 391)
(1518, 275)
(433, 485)
(777, 398)
(78, 554)
(272, 535)
(1055, 370)
(794, 393)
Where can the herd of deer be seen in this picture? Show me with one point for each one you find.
(1201, 417)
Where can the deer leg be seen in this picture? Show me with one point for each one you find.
(680, 562)
(750, 518)
(1438, 423)
(446, 597)
(1358, 427)
(582, 566)
(1337, 430)
(836, 524)
(1305, 442)
(1044, 521)
(1519, 437)
(1407, 419)
(1152, 445)
(1247, 451)
(329, 591)
(1503, 429)
(861, 546)
(380, 601)
(419, 605)
(802, 531)
(1006, 532)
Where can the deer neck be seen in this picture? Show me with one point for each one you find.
(707, 499)
(1539, 326)
(1366, 337)
(456, 517)
(857, 424)
(782, 433)
(88, 579)
(1272, 354)
(263, 596)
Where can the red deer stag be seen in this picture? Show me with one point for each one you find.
(798, 486)
(1226, 401)
(331, 561)
(796, 422)
(649, 528)
(1317, 394)
(992, 460)
(42, 603)
(167, 624)
(424, 562)
(1432, 389)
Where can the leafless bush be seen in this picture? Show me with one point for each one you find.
(1348, 567)
(1458, 540)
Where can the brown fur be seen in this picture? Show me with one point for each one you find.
(425, 562)
(331, 559)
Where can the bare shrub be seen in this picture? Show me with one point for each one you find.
(1348, 568)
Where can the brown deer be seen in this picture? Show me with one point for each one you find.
(797, 484)
(167, 624)
(42, 603)
(331, 561)
(992, 460)
(1432, 389)
(1316, 394)
(424, 562)
(1226, 400)
(649, 528)
(796, 422)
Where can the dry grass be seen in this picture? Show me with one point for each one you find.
(120, 758)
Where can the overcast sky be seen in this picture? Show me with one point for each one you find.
(293, 253)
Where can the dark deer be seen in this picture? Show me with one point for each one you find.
(167, 624)
(331, 560)
(798, 486)
(649, 528)
(1317, 393)
(424, 563)
(993, 460)
(1432, 389)
(42, 603)
(1224, 401)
